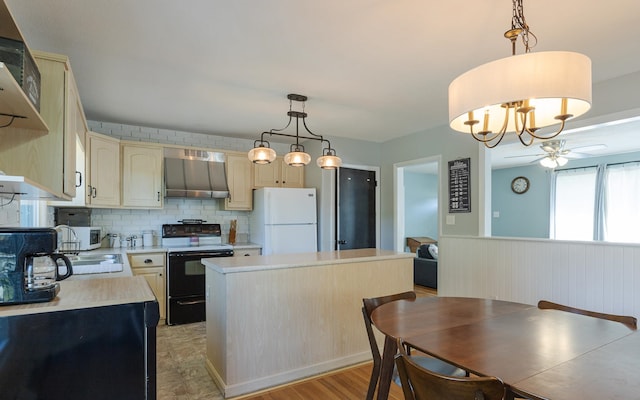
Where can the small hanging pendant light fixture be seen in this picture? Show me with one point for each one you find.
(262, 153)
(521, 93)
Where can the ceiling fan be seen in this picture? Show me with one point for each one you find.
(556, 155)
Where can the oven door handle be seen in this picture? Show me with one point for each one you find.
(200, 254)
(189, 303)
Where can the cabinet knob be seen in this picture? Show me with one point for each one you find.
(248, 254)
(148, 261)
(158, 196)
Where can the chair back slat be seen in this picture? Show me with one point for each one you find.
(629, 321)
(368, 306)
(421, 384)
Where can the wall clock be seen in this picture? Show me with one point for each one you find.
(520, 185)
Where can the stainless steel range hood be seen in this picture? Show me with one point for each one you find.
(194, 173)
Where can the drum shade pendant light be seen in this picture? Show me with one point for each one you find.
(262, 153)
(521, 93)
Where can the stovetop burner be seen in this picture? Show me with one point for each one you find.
(193, 237)
(191, 229)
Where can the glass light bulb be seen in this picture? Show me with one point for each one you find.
(262, 155)
(329, 162)
(297, 158)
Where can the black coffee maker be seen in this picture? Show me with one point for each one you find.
(29, 270)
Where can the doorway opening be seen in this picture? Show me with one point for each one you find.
(417, 192)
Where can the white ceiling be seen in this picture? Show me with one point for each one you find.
(373, 70)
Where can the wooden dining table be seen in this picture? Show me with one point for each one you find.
(539, 354)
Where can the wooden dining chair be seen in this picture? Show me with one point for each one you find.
(419, 383)
(629, 321)
(431, 363)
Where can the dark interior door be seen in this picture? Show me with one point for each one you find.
(356, 225)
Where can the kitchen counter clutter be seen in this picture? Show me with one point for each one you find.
(279, 318)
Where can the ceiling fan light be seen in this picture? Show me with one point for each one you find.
(297, 158)
(561, 161)
(262, 155)
(548, 163)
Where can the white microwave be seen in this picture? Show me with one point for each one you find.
(88, 237)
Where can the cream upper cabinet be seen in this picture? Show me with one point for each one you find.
(141, 176)
(278, 174)
(77, 129)
(103, 185)
(239, 178)
(58, 108)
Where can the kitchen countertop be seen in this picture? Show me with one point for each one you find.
(126, 267)
(226, 265)
(88, 294)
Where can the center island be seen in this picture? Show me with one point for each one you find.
(279, 318)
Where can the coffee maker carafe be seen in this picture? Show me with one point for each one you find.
(29, 270)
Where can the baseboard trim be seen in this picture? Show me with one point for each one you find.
(283, 378)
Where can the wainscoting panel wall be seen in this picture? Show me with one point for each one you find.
(598, 276)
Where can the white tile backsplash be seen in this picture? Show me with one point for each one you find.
(133, 222)
(10, 213)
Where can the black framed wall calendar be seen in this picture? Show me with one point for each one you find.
(460, 185)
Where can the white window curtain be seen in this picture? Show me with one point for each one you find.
(574, 204)
(622, 203)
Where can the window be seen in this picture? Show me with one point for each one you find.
(574, 204)
(598, 203)
(33, 213)
(622, 203)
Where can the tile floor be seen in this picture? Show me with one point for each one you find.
(181, 371)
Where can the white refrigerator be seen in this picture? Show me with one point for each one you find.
(284, 220)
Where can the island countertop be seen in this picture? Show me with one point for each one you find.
(229, 265)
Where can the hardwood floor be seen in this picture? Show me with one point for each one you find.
(348, 384)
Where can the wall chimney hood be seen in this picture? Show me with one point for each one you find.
(21, 188)
(194, 173)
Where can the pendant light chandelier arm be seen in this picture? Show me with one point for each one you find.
(482, 137)
(297, 155)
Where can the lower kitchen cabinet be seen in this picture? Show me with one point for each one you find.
(97, 340)
(247, 251)
(151, 266)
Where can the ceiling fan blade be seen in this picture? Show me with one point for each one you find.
(575, 154)
(537, 160)
(527, 155)
(591, 147)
